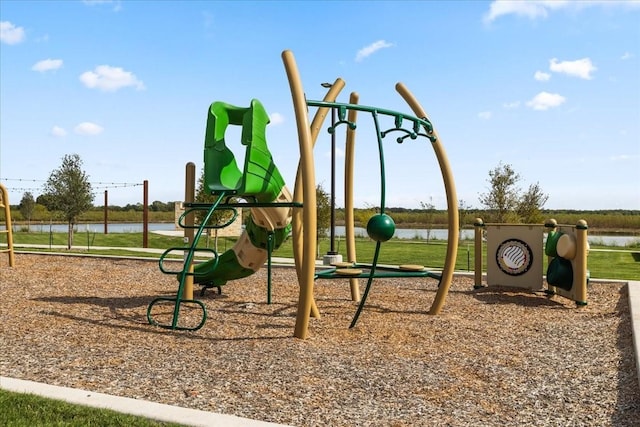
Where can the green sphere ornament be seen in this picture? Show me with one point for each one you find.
(381, 227)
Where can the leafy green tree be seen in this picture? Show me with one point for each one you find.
(68, 190)
(502, 198)
(507, 202)
(27, 205)
(133, 208)
(158, 206)
(41, 212)
(44, 200)
(531, 203)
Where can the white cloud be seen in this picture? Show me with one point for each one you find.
(117, 5)
(47, 65)
(58, 131)
(531, 9)
(88, 128)
(276, 119)
(623, 157)
(542, 76)
(511, 105)
(10, 34)
(339, 153)
(545, 100)
(109, 79)
(627, 55)
(534, 9)
(581, 68)
(371, 49)
(485, 115)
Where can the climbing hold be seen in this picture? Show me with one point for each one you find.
(381, 227)
(560, 273)
(566, 246)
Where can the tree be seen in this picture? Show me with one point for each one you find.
(44, 200)
(323, 213)
(531, 204)
(507, 202)
(27, 205)
(158, 206)
(68, 190)
(133, 208)
(502, 198)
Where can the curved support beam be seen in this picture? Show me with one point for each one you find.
(322, 112)
(316, 125)
(452, 204)
(298, 193)
(305, 265)
(349, 220)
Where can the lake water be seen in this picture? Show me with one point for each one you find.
(401, 233)
(99, 228)
(441, 234)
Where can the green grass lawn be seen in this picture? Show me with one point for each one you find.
(622, 263)
(28, 410)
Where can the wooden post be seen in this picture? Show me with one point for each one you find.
(580, 275)
(189, 197)
(478, 226)
(145, 214)
(106, 210)
(4, 203)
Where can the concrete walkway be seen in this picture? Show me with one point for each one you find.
(634, 310)
(25, 248)
(192, 417)
(18, 246)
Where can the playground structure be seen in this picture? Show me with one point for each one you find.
(275, 212)
(515, 257)
(8, 230)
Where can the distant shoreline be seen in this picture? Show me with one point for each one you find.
(408, 226)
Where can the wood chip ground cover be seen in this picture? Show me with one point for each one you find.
(492, 357)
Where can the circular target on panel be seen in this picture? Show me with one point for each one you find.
(514, 257)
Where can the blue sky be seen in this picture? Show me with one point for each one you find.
(550, 87)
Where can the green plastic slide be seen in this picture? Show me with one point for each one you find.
(260, 181)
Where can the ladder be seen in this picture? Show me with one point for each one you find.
(186, 272)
